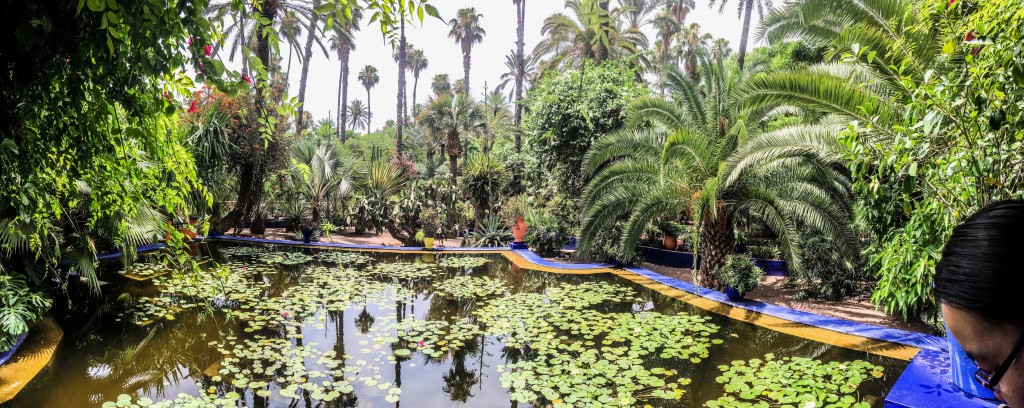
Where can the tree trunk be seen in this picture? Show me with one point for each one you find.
(520, 70)
(346, 52)
(307, 55)
(339, 126)
(601, 53)
(288, 72)
(746, 31)
(415, 84)
(465, 73)
(369, 112)
(401, 90)
(716, 243)
(453, 157)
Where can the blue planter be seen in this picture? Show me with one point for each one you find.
(963, 369)
(518, 245)
(4, 356)
(734, 294)
(307, 235)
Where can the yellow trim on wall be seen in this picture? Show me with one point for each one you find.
(34, 354)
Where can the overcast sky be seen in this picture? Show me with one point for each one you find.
(445, 56)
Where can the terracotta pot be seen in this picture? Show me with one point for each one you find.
(519, 229)
(671, 243)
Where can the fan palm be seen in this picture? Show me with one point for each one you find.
(358, 115)
(692, 155)
(369, 78)
(320, 174)
(455, 117)
(745, 8)
(440, 85)
(343, 42)
(497, 121)
(467, 32)
(417, 63)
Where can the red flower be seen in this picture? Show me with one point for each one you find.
(950, 3)
(193, 108)
(247, 79)
(970, 36)
(208, 50)
(189, 40)
(285, 314)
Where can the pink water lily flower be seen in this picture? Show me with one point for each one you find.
(285, 314)
(421, 343)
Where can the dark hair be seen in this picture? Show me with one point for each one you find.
(981, 271)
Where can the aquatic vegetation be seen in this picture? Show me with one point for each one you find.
(434, 338)
(344, 258)
(144, 270)
(285, 258)
(239, 251)
(462, 262)
(586, 357)
(794, 381)
(403, 271)
(469, 287)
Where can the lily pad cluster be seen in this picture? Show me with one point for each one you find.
(469, 287)
(285, 258)
(269, 365)
(462, 262)
(583, 357)
(145, 270)
(434, 338)
(794, 382)
(403, 270)
(204, 400)
(344, 258)
(239, 251)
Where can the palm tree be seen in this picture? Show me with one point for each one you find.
(290, 29)
(695, 151)
(440, 85)
(368, 77)
(519, 67)
(670, 23)
(343, 42)
(745, 9)
(570, 40)
(454, 116)
(869, 90)
(513, 65)
(314, 34)
(417, 63)
(320, 175)
(358, 115)
(497, 122)
(466, 31)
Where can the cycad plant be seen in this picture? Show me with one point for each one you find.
(693, 154)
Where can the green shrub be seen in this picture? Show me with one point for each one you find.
(832, 276)
(547, 234)
(430, 221)
(482, 183)
(490, 233)
(20, 306)
(515, 208)
(741, 274)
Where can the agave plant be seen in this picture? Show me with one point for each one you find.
(492, 232)
(694, 155)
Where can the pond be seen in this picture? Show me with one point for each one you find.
(295, 327)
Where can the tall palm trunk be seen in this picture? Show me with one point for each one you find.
(369, 111)
(465, 73)
(520, 62)
(746, 32)
(307, 55)
(340, 126)
(453, 157)
(716, 243)
(601, 53)
(288, 72)
(415, 84)
(401, 90)
(345, 53)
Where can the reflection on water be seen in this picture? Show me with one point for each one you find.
(106, 354)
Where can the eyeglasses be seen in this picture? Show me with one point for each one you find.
(990, 381)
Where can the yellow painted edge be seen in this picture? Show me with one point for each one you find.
(850, 341)
(34, 354)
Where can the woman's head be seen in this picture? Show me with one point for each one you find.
(979, 284)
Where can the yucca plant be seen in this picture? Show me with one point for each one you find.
(492, 232)
(693, 154)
